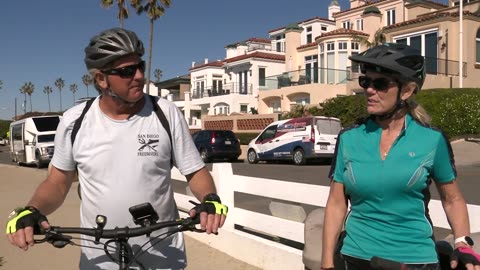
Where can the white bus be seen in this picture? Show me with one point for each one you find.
(32, 140)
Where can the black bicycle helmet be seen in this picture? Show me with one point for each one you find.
(111, 45)
(394, 58)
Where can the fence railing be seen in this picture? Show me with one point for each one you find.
(226, 89)
(255, 249)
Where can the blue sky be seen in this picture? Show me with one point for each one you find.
(44, 40)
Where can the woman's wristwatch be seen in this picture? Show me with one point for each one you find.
(465, 239)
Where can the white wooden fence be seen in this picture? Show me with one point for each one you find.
(263, 253)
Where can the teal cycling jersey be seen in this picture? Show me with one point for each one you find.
(389, 198)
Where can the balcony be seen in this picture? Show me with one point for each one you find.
(306, 76)
(226, 89)
(433, 66)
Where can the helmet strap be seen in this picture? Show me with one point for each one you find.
(400, 104)
(112, 94)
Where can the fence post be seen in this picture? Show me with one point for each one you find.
(224, 181)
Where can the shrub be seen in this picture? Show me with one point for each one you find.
(455, 111)
(245, 138)
(347, 108)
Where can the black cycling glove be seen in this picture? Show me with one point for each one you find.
(212, 205)
(21, 218)
(465, 255)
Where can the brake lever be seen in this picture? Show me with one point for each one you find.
(195, 220)
(57, 240)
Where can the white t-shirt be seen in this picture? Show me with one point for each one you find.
(122, 163)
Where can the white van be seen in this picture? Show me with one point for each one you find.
(32, 140)
(296, 139)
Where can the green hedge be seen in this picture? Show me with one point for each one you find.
(4, 126)
(245, 138)
(455, 111)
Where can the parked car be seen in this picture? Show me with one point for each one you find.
(3, 141)
(297, 139)
(217, 144)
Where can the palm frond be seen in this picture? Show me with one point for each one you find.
(106, 3)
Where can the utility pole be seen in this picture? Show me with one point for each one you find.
(460, 82)
(15, 109)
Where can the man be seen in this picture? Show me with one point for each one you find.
(123, 155)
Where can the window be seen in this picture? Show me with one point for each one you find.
(457, 2)
(217, 85)
(46, 123)
(261, 77)
(275, 105)
(330, 46)
(323, 28)
(311, 70)
(268, 133)
(355, 50)
(243, 108)
(346, 25)
(302, 100)
(280, 43)
(390, 16)
(331, 62)
(359, 24)
(355, 46)
(221, 108)
(477, 42)
(309, 34)
(342, 46)
(427, 43)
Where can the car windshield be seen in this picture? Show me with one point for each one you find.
(329, 126)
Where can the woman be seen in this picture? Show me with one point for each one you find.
(384, 166)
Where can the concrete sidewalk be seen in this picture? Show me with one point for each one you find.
(17, 185)
(467, 152)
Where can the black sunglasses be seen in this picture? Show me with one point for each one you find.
(126, 72)
(380, 84)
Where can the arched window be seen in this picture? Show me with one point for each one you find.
(477, 43)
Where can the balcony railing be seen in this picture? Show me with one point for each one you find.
(226, 89)
(433, 66)
(438, 66)
(307, 76)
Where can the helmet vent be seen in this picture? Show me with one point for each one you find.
(414, 63)
(109, 48)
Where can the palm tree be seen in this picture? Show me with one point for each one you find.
(122, 9)
(47, 90)
(378, 39)
(73, 88)
(23, 90)
(27, 89)
(60, 83)
(30, 89)
(87, 80)
(158, 73)
(154, 11)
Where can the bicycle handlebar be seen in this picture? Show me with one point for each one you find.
(55, 233)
